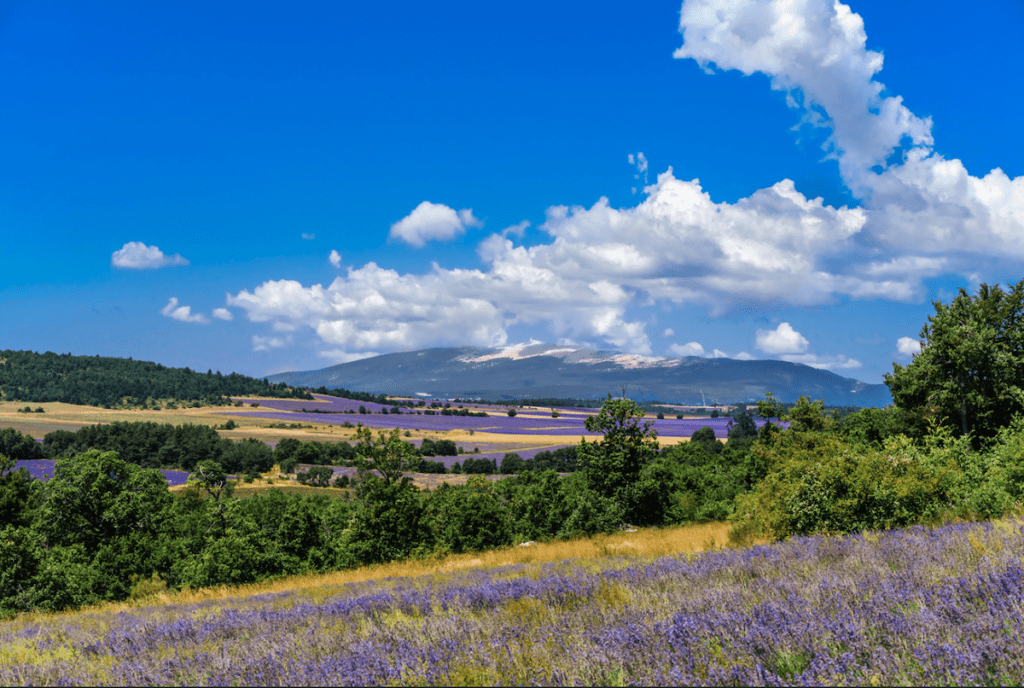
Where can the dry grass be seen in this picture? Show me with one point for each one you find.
(61, 416)
(643, 544)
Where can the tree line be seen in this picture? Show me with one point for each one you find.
(106, 381)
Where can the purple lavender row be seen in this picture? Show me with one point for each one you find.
(491, 424)
(43, 469)
(918, 606)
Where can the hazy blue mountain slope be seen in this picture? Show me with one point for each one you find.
(544, 370)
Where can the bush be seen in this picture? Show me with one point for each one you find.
(512, 463)
(468, 518)
(341, 481)
(479, 466)
(511, 413)
(819, 483)
(318, 476)
(661, 416)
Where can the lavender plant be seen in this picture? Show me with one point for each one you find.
(915, 606)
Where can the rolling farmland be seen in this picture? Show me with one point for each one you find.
(527, 422)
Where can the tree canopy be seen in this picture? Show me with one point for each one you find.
(102, 380)
(969, 374)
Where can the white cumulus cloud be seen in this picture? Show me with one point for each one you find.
(907, 346)
(433, 221)
(181, 313)
(688, 349)
(815, 51)
(136, 255)
(335, 258)
(268, 343)
(782, 340)
(222, 314)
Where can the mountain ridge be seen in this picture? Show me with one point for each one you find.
(536, 369)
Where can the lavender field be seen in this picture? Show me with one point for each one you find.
(918, 606)
(42, 469)
(333, 410)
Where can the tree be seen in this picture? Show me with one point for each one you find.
(613, 464)
(511, 413)
(969, 373)
(705, 435)
(318, 476)
(468, 517)
(19, 447)
(95, 495)
(769, 408)
(742, 426)
(212, 477)
(17, 493)
(388, 523)
(387, 454)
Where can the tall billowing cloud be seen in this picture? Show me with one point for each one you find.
(433, 221)
(136, 255)
(782, 340)
(815, 50)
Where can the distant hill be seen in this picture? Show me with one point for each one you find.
(101, 380)
(545, 370)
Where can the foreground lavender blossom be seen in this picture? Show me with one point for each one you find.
(917, 606)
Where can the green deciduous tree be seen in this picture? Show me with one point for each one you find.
(613, 464)
(18, 493)
(95, 496)
(969, 374)
(387, 454)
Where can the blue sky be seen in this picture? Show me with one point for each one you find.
(258, 187)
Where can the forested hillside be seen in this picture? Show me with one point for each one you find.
(104, 381)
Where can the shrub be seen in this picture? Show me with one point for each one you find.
(819, 483)
(479, 466)
(511, 413)
(661, 416)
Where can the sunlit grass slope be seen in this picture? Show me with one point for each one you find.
(918, 606)
(644, 543)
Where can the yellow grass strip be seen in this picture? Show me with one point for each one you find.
(643, 543)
